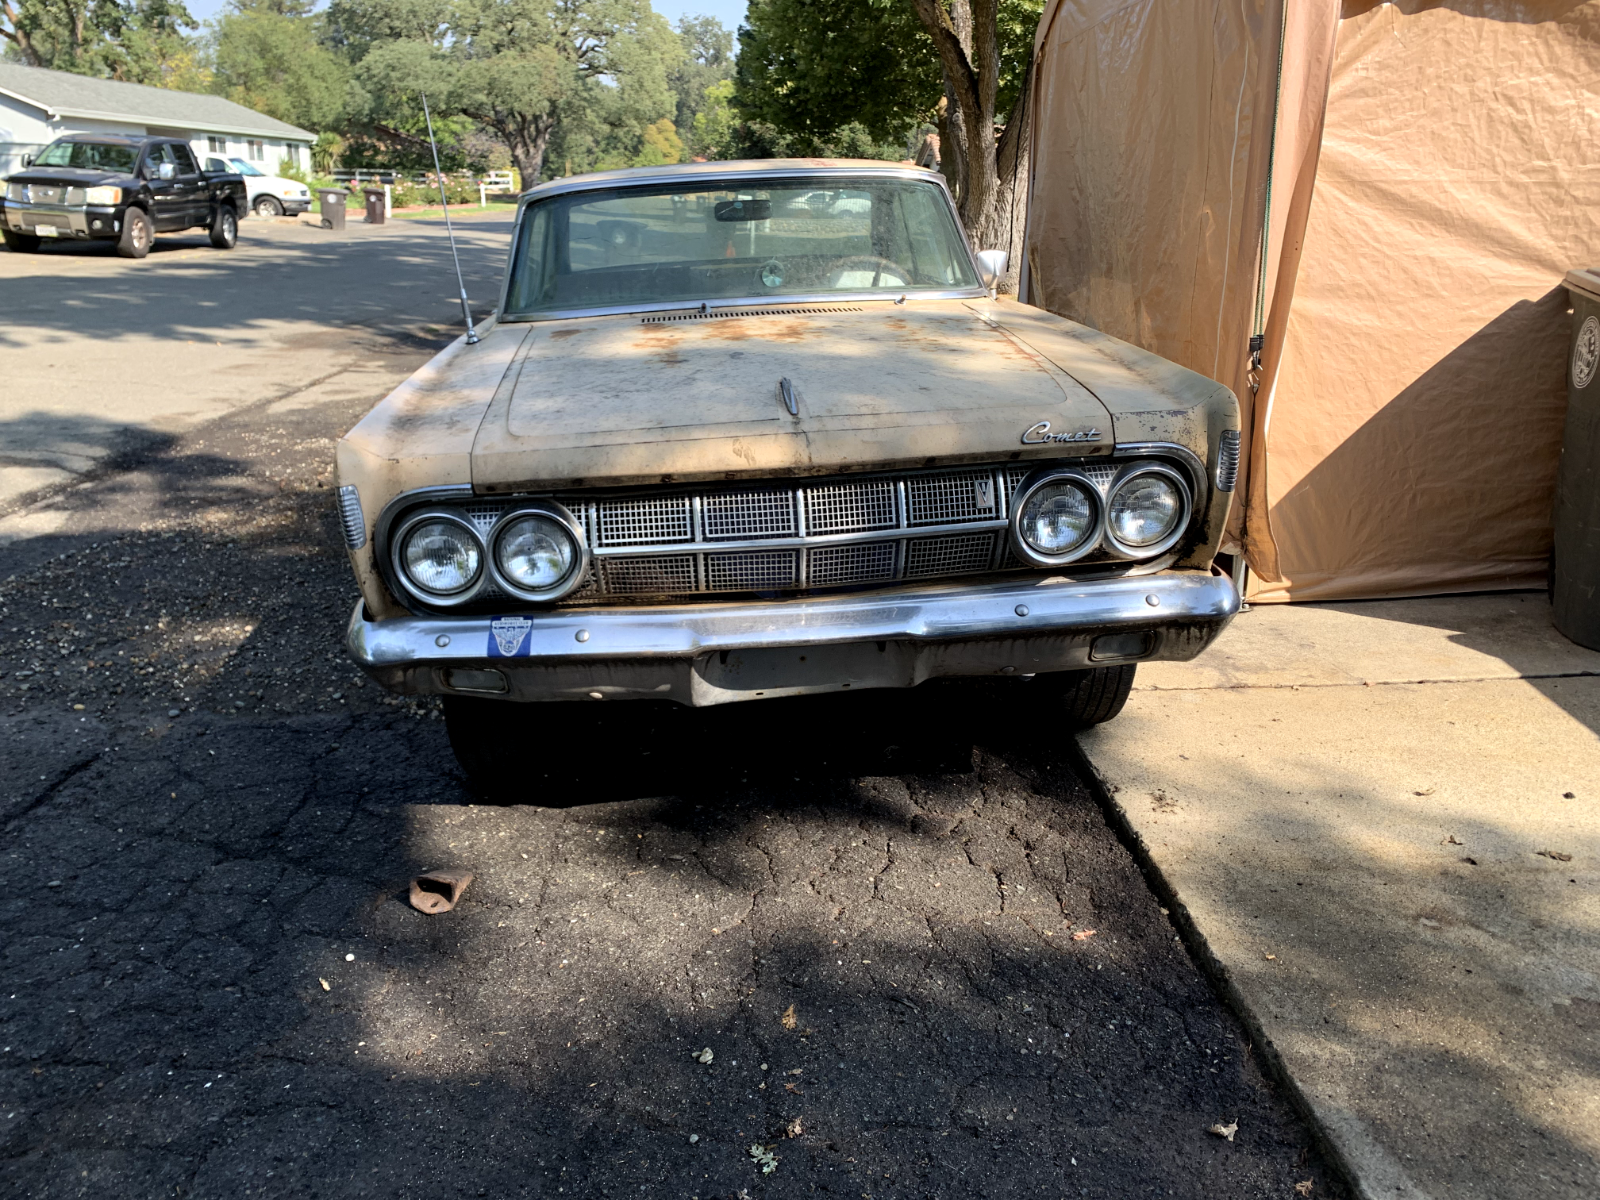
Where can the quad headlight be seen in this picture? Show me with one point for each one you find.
(535, 552)
(1062, 514)
(1058, 518)
(1145, 511)
(440, 557)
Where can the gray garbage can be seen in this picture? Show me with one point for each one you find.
(331, 201)
(375, 197)
(1575, 583)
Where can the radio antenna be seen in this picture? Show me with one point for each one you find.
(466, 309)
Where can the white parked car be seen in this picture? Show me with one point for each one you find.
(270, 195)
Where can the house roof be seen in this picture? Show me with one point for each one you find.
(63, 94)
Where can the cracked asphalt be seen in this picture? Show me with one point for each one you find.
(921, 961)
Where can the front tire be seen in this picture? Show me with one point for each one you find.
(1087, 698)
(137, 234)
(20, 243)
(268, 206)
(225, 228)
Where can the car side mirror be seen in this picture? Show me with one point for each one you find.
(991, 267)
(167, 171)
(27, 160)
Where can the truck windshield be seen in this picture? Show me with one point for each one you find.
(731, 240)
(92, 156)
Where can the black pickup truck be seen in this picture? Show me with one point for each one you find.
(119, 189)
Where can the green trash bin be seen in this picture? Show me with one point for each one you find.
(1575, 580)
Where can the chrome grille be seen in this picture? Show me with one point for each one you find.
(958, 555)
(778, 536)
(748, 515)
(648, 574)
(752, 570)
(850, 564)
(961, 496)
(852, 507)
(44, 193)
(645, 522)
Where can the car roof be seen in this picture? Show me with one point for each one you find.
(750, 168)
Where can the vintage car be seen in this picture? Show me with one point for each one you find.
(742, 430)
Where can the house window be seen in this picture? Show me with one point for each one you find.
(291, 153)
(217, 145)
(255, 151)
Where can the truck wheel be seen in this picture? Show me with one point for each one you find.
(19, 243)
(268, 206)
(225, 228)
(137, 234)
(1090, 697)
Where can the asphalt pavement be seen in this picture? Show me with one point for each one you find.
(879, 945)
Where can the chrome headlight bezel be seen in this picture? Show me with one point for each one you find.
(1170, 539)
(567, 523)
(1019, 505)
(397, 549)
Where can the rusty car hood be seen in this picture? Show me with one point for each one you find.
(616, 400)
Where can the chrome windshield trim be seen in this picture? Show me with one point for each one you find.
(754, 169)
(568, 314)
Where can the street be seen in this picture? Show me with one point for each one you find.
(922, 963)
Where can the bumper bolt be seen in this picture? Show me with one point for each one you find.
(582, 635)
(442, 640)
(1153, 600)
(1022, 610)
(596, 696)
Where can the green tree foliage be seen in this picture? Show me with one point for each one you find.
(712, 134)
(707, 63)
(141, 41)
(809, 68)
(269, 56)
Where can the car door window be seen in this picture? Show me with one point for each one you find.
(216, 166)
(154, 156)
(185, 159)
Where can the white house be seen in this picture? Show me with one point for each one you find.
(38, 106)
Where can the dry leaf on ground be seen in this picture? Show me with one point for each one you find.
(1225, 1131)
(705, 1056)
(1084, 933)
(789, 1019)
(1303, 1188)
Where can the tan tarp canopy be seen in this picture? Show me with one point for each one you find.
(1435, 171)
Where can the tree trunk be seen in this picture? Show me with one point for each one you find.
(528, 137)
(17, 35)
(992, 173)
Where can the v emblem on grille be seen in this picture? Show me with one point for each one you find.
(983, 490)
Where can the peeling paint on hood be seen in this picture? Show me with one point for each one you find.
(617, 400)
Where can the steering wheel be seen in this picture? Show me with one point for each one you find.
(848, 272)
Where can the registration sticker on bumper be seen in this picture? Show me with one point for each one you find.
(509, 636)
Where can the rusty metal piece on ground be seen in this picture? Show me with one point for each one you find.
(436, 892)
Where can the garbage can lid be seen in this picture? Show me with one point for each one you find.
(1585, 280)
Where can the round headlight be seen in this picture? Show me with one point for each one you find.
(1057, 518)
(535, 552)
(441, 557)
(1145, 509)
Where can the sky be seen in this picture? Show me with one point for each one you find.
(729, 12)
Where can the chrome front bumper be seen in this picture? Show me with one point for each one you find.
(704, 654)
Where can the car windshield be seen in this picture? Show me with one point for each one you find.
(93, 156)
(244, 168)
(732, 240)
